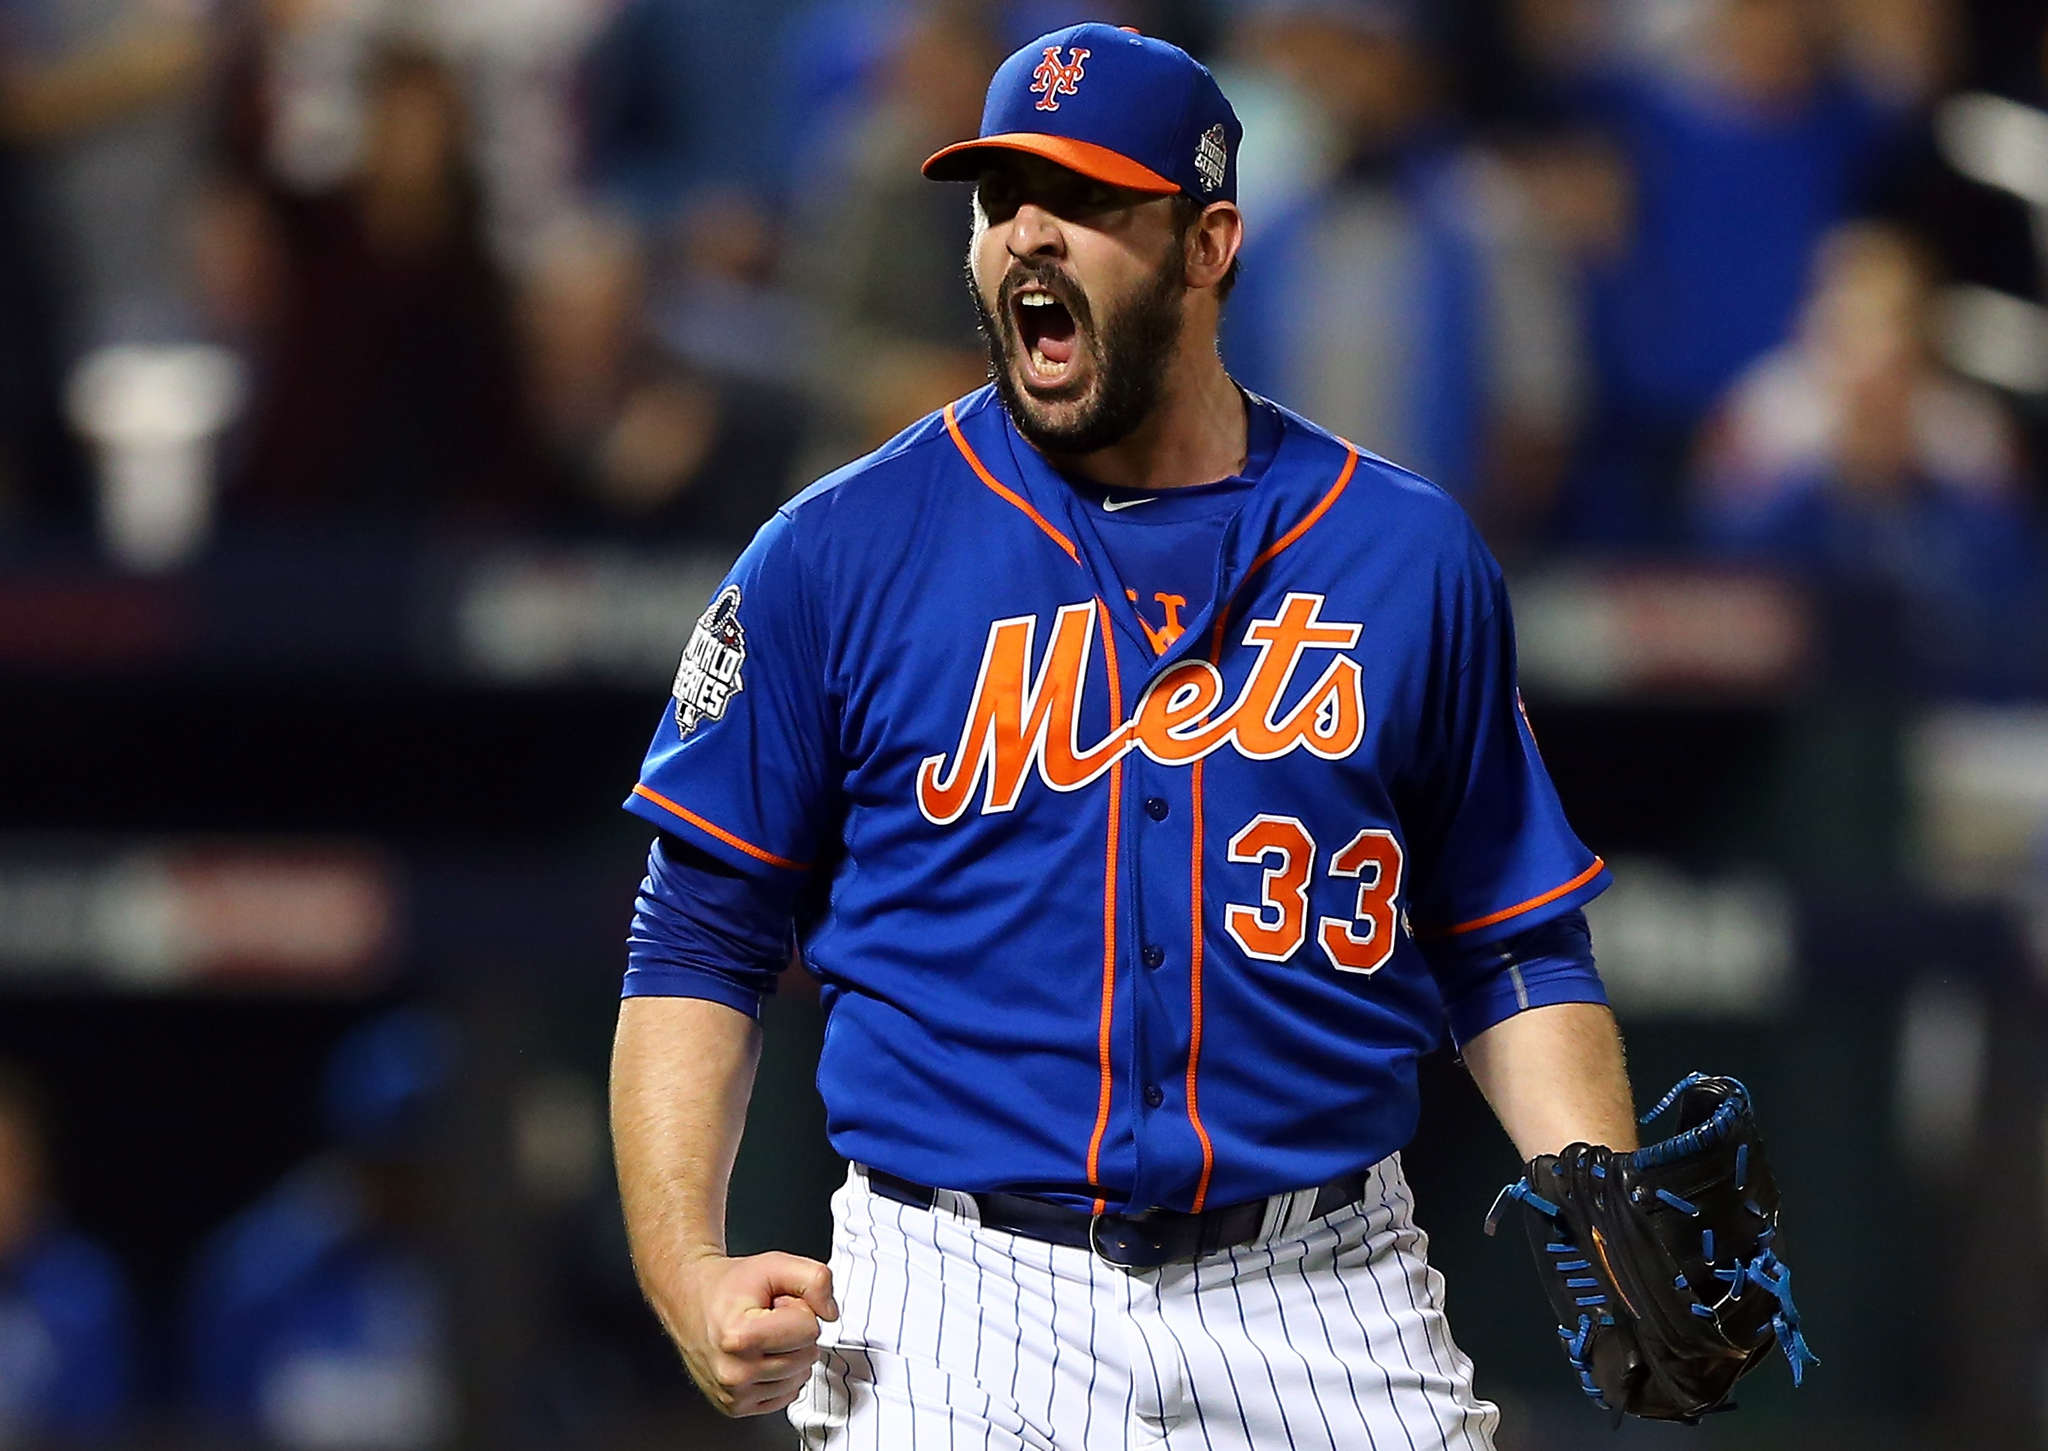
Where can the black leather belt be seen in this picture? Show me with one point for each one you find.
(1142, 1241)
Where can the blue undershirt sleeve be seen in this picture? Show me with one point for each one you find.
(703, 929)
(1484, 983)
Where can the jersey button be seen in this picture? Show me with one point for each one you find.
(1155, 807)
(1153, 1096)
(1154, 956)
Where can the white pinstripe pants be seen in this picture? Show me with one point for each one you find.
(1322, 1335)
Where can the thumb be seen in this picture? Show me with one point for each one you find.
(807, 1280)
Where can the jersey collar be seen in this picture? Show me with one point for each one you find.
(1307, 472)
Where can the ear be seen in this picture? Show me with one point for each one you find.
(1213, 242)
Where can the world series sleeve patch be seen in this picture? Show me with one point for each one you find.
(709, 676)
(738, 763)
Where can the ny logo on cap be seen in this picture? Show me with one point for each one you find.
(1052, 80)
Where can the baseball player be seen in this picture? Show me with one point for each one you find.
(1140, 770)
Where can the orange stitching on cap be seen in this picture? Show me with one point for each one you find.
(973, 462)
(1116, 776)
(723, 835)
(1520, 907)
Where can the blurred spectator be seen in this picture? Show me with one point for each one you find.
(1969, 182)
(288, 104)
(102, 96)
(1858, 386)
(648, 446)
(1291, 146)
(718, 298)
(882, 248)
(1852, 459)
(681, 94)
(1742, 145)
(522, 62)
(829, 60)
(387, 374)
(294, 107)
(1902, 51)
(317, 1317)
(64, 1309)
(1407, 297)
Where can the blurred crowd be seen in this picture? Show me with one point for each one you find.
(315, 1316)
(1756, 283)
(1759, 280)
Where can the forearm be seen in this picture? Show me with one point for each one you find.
(682, 1072)
(1555, 1076)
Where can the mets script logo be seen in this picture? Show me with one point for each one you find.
(1052, 80)
(709, 676)
(1018, 723)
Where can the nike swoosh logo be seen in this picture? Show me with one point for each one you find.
(1110, 506)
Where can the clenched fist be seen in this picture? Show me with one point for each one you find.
(748, 1328)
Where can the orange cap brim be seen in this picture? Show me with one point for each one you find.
(959, 162)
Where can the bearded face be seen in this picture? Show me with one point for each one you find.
(1082, 327)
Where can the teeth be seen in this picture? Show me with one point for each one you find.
(1045, 366)
(1036, 299)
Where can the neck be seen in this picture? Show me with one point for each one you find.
(1195, 435)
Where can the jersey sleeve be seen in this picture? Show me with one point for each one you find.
(740, 764)
(1497, 855)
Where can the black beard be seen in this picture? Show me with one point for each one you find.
(1129, 353)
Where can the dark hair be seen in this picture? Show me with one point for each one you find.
(1186, 212)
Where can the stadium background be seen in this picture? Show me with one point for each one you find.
(383, 386)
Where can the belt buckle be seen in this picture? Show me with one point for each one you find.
(1133, 1251)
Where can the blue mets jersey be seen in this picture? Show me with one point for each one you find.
(1104, 915)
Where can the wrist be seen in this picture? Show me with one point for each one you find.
(672, 1287)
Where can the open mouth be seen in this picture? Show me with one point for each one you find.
(1048, 333)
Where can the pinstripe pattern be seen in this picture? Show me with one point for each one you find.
(1347, 1369)
(1053, 1300)
(1324, 1335)
(1259, 1349)
(1436, 1330)
(1307, 1371)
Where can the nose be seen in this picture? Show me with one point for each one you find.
(1035, 232)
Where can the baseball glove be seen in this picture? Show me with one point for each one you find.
(1662, 1263)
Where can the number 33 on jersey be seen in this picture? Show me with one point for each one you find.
(1153, 876)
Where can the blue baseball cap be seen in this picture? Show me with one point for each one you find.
(1113, 105)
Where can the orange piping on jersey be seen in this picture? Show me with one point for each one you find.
(723, 835)
(1116, 775)
(1195, 994)
(1266, 556)
(1116, 780)
(1284, 542)
(981, 471)
(1520, 907)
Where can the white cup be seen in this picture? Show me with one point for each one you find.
(153, 414)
